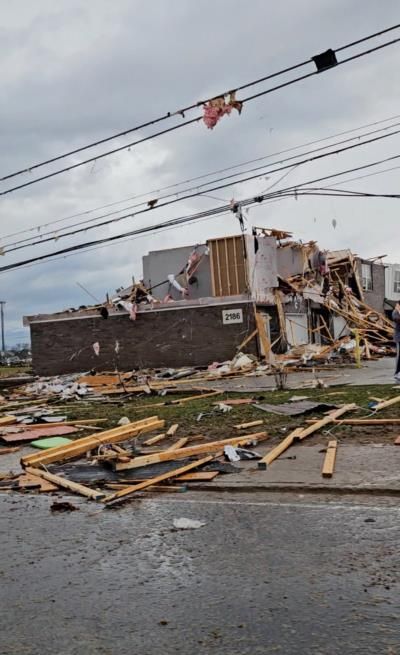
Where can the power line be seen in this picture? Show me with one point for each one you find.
(199, 193)
(194, 120)
(209, 213)
(153, 192)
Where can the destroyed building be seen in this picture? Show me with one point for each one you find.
(259, 293)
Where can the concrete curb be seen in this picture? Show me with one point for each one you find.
(296, 488)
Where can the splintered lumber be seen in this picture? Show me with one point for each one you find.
(279, 449)
(363, 421)
(58, 424)
(329, 461)
(121, 495)
(156, 439)
(330, 418)
(172, 430)
(252, 424)
(169, 455)
(262, 333)
(7, 451)
(7, 420)
(387, 403)
(247, 340)
(178, 444)
(179, 401)
(27, 481)
(199, 476)
(66, 484)
(83, 445)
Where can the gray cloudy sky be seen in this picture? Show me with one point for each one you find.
(74, 71)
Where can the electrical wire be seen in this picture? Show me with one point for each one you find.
(154, 192)
(199, 193)
(194, 120)
(58, 234)
(293, 191)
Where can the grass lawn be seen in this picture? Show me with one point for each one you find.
(219, 425)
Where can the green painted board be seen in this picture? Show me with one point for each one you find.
(51, 442)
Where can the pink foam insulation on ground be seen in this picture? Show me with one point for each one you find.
(16, 434)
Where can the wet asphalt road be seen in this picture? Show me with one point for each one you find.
(266, 574)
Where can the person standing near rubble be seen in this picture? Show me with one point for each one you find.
(396, 320)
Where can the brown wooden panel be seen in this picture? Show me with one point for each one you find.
(228, 266)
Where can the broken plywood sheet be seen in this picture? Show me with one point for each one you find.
(295, 408)
(18, 435)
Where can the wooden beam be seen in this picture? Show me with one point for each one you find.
(172, 430)
(121, 495)
(201, 476)
(279, 449)
(166, 456)
(156, 439)
(66, 484)
(8, 420)
(7, 451)
(179, 401)
(252, 424)
(56, 424)
(387, 403)
(81, 446)
(262, 333)
(247, 340)
(330, 418)
(330, 458)
(178, 444)
(362, 421)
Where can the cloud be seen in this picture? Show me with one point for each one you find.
(71, 75)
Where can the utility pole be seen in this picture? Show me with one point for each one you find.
(3, 345)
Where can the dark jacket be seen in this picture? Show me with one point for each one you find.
(396, 319)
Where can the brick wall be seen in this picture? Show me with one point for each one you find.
(172, 337)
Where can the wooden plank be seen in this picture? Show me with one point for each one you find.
(172, 430)
(81, 446)
(121, 495)
(247, 340)
(27, 480)
(7, 451)
(200, 476)
(212, 270)
(218, 270)
(397, 441)
(387, 403)
(279, 449)
(262, 334)
(178, 444)
(362, 421)
(231, 290)
(155, 439)
(66, 484)
(179, 401)
(251, 424)
(58, 424)
(165, 456)
(237, 289)
(326, 420)
(8, 420)
(330, 458)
